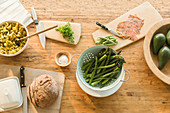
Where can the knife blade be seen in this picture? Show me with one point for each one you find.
(39, 27)
(42, 35)
(24, 90)
(110, 30)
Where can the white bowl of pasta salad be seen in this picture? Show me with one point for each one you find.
(10, 33)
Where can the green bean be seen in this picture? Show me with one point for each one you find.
(93, 73)
(110, 44)
(108, 40)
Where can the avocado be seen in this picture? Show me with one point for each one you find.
(168, 38)
(163, 56)
(158, 41)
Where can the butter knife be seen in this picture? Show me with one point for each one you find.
(39, 27)
(24, 90)
(110, 30)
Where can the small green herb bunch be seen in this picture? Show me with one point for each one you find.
(66, 32)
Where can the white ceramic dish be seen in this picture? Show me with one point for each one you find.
(98, 93)
(63, 53)
(10, 55)
(10, 96)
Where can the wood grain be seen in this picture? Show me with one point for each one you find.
(143, 93)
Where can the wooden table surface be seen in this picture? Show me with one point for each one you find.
(144, 92)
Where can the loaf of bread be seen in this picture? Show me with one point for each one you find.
(43, 91)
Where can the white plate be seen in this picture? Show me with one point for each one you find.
(97, 93)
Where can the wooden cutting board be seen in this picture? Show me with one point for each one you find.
(56, 35)
(144, 11)
(30, 73)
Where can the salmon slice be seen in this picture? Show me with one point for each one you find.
(130, 28)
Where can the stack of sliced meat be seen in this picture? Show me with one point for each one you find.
(130, 28)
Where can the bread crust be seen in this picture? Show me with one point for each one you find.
(43, 91)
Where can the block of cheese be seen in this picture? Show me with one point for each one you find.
(56, 35)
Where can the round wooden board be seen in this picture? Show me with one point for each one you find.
(151, 59)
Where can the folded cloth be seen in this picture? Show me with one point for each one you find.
(14, 10)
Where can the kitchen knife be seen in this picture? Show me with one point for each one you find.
(110, 30)
(39, 27)
(24, 90)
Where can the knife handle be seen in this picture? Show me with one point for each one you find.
(22, 76)
(36, 22)
(34, 16)
(104, 27)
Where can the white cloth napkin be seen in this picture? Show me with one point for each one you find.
(14, 10)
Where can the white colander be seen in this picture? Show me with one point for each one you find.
(86, 56)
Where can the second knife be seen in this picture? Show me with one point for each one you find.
(110, 30)
(24, 90)
(39, 27)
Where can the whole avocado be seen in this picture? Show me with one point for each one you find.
(168, 38)
(158, 41)
(163, 56)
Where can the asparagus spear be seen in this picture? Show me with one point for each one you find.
(104, 77)
(108, 58)
(88, 69)
(105, 81)
(85, 66)
(87, 80)
(101, 59)
(94, 71)
(95, 83)
(108, 70)
(113, 61)
(103, 62)
(108, 66)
